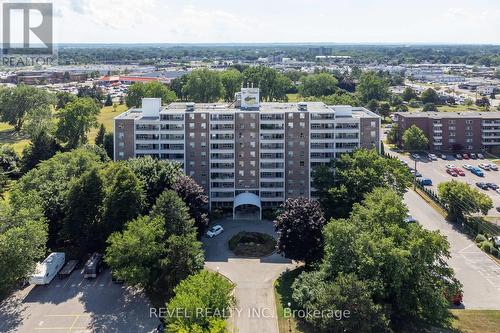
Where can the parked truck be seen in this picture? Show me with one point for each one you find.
(48, 269)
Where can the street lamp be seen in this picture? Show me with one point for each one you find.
(289, 323)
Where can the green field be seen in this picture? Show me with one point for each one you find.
(19, 141)
(465, 321)
(451, 108)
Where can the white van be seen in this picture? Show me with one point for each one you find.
(47, 270)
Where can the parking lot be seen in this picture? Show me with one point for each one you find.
(77, 305)
(436, 171)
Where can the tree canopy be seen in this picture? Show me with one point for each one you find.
(322, 84)
(463, 200)
(372, 86)
(414, 139)
(138, 91)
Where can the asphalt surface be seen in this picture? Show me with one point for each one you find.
(77, 305)
(254, 291)
(479, 274)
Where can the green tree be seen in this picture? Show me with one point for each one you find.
(372, 86)
(204, 86)
(384, 109)
(123, 197)
(108, 144)
(231, 80)
(76, 120)
(430, 107)
(82, 226)
(93, 92)
(42, 147)
(19, 103)
(155, 89)
(463, 200)
(195, 198)
(99, 139)
(409, 94)
(430, 96)
(48, 185)
(272, 85)
(340, 98)
(300, 228)
(157, 175)
(4, 183)
(10, 163)
(393, 135)
(156, 252)
(356, 175)
(23, 234)
(345, 293)
(322, 84)
(63, 98)
(109, 101)
(204, 290)
(414, 139)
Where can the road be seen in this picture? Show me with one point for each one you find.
(479, 274)
(254, 291)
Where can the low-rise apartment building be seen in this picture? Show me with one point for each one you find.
(455, 131)
(246, 152)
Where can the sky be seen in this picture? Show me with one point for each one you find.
(271, 21)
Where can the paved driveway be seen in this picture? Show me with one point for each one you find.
(255, 311)
(479, 274)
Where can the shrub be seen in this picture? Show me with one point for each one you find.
(494, 252)
(480, 238)
(486, 246)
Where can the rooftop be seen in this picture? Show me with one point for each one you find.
(440, 115)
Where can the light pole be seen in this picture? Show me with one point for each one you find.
(289, 323)
(415, 175)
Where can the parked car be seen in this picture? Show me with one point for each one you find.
(459, 172)
(467, 166)
(498, 191)
(68, 269)
(214, 231)
(493, 167)
(410, 219)
(493, 186)
(452, 172)
(458, 156)
(484, 166)
(480, 156)
(426, 182)
(415, 156)
(403, 162)
(450, 166)
(443, 157)
(496, 239)
(473, 156)
(432, 157)
(465, 156)
(478, 172)
(482, 186)
(93, 266)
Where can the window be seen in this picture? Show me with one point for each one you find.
(121, 154)
(203, 126)
(241, 115)
(203, 134)
(302, 124)
(302, 116)
(468, 122)
(252, 173)
(373, 134)
(191, 116)
(241, 173)
(252, 125)
(191, 125)
(373, 124)
(302, 163)
(241, 164)
(192, 144)
(252, 163)
(290, 144)
(191, 135)
(290, 116)
(302, 144)
(290, 125)
(252, 153)
(203, 116)
(252, 144)
(203, 144)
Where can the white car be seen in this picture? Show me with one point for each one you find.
(450, 166)
(493, 167)
(410, 219)
(432, 157)
(480, 156)
(214, 231)
(467, 166)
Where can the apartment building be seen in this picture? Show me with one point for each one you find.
(455, 131)
(247, 153)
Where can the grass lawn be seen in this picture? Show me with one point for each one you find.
(476, 321)
(106, 118)
(9, 137)
(294, 98)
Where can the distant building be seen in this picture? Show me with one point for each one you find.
(455, 131)
(320, 51)
(246, 152)
(117, 80)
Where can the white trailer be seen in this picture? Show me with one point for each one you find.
(47, 270)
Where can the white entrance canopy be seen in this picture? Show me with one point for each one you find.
(247, 199)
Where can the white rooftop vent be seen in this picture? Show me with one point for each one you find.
(302, 106)
(151, 107)
(343, 110)
(190, 106)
